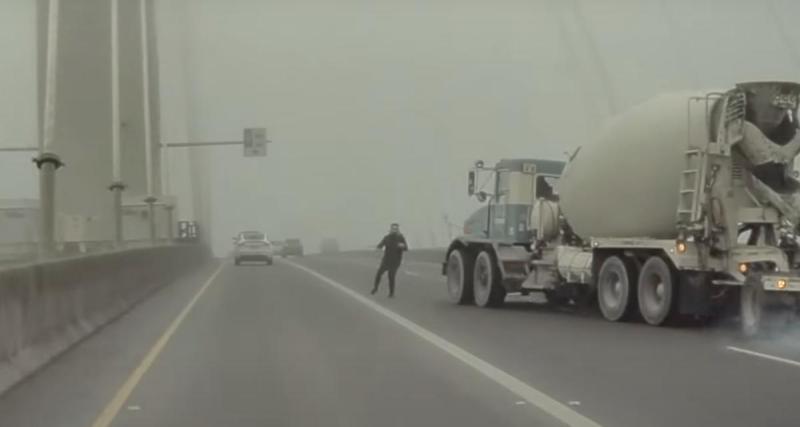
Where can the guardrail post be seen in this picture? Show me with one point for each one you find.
(170, 233)
(151, 217)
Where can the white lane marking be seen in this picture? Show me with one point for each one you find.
(531, 395)
(112, 409)
(411, 273)
(764, 356)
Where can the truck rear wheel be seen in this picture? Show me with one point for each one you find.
(657, 290)
(615, 293)
(489, 291)
(459, 277)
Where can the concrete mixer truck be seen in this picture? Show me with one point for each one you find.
(684, 205)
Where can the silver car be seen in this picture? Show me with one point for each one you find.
(252, 246)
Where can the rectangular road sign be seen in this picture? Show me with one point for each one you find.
(255, 142)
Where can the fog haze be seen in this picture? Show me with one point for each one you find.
(377, 108)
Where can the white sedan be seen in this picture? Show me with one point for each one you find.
(252, 246)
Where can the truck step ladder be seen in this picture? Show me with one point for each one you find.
(693, 177)
(691, 186)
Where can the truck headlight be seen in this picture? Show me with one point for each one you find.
(782, 283)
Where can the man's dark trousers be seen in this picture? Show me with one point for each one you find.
(386, 267)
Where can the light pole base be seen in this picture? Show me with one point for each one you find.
(47, 163)
(151, 217)
(117, 188)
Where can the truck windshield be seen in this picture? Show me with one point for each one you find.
(546, 187)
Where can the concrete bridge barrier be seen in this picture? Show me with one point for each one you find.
(47, 307)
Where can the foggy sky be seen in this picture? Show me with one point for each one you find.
(17, 98)
(377, 108)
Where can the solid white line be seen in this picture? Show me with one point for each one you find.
(112, 409)
(411, 273)
(764, 356)
(544, 402)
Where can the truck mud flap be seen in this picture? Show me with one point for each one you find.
(694, 294)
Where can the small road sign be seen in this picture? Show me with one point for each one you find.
(255, 142)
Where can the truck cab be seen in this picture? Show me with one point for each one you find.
(516, 184)
(495, 250)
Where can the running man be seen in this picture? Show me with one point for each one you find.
(393, 245)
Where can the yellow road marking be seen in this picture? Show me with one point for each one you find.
(112, 409)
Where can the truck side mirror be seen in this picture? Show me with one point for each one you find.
(471, 183)
(481, 196)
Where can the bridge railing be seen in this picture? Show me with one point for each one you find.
(15, 253)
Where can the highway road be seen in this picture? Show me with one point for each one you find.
(302, 343)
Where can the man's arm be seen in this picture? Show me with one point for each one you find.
(404, 245)
(382, 243)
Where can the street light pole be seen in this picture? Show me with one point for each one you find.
(254, 143)
(117, 186)
(18, 149)
(150, 199)
(48, 161)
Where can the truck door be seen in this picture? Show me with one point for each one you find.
(502, 225)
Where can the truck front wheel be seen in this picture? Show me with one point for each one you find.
(459, 277)
(616, 294)
(656, 291)
(489, 291)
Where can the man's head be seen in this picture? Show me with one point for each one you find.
(394, 228)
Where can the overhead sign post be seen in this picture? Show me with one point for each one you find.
(471, 183)
(255, 142)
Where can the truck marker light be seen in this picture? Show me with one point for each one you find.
(743, 267)
(782, 283)
(681, 247)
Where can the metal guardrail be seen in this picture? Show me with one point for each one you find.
(25, 252)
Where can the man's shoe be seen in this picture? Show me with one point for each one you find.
(372, 292)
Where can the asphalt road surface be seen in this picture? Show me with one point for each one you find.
(304, 344)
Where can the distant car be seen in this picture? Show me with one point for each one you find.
(329, 246)
(278, 246)
(252, 246)
(292, 247)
